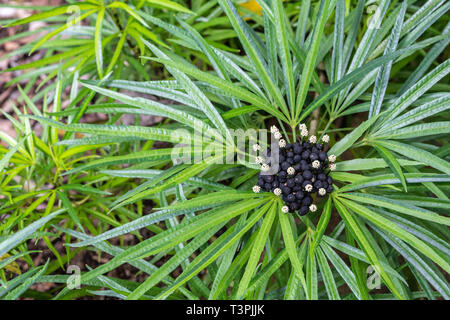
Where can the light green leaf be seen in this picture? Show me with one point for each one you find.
(417, 154)
(257, 248)
(391, 160)
(351, 138)
(289, 241)
(98, 42)
(399, 206)
(388, 226)
(170, 5)
(310, 62)
(18, 237)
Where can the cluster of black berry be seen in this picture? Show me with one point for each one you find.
(303, 168)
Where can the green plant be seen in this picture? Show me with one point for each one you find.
(389, 208)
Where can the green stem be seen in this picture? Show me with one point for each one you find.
(326, 127)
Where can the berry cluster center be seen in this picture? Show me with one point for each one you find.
(298, 172)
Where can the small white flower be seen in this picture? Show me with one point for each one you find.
(332, 158)
(290, 170)
(313, 208)
(277, 191)
(259, 159)
(282, 143)
(326, 138)
(322, 191)
(316, 164)
(265, 167)
(308, 187)
(332, 166)
(285, 209)
(304, 133)
(273, 129)
(277, 135)
(256, 189)
(313, 139)
(256, 147)
(302, 127)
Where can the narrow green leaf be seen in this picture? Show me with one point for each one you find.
(98, 42)
(250, 48)
(391, 160)
(374, 254)
(417, 154)
(257, 249)
(322, 224)
(170, 5)
(382, 79)
(17, 292)
(289, 241)
(399, 206)
(385, 224)
(351, 138)
(310, 62)
(62, 9)
(23, 234)
(327, 276)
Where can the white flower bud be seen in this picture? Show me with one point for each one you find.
(332, 158)
(282, 143)
(313, 139)
(304, 133)
(259, 159)
(302, 127)
(308, 187)
(313, 208)
(332, 166)
(285, 209)
(277, 191)
(326, 138)
(316, 164)
(322, 191)
(265, 167)
(256, 147)
(277, 135)
(256, 189)
(290, 170)
(273, 129)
